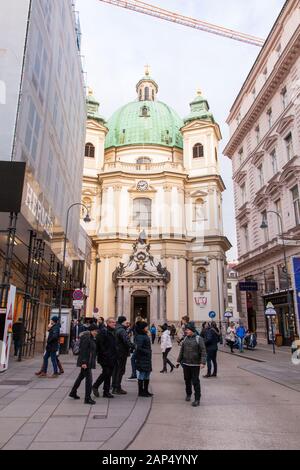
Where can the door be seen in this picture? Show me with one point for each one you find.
(140, 306)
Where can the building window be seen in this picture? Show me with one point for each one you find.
(32, 130)
(229, 286)
(153, 96)
(241, 155)
(296, 203)
(89, 150)
(264, 217)
(230, 299)
(198, 151)
(257, 134)
(270, 117)
(254, 93)
(260, 176)
(140, 95)
(142, 160)
(274, 161)
(243, 193)
(265, 73)
(201, 279)
(289, 146)
(145, 111)
(147, 96)
(246, 238)
(284, 97)
(142, 212)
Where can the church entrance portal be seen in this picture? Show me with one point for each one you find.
(140, 306)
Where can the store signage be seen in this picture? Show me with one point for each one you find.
(228, 314)
(37, 209)
(7, 336)
(201, 301)
(296, 276)
(248, 286)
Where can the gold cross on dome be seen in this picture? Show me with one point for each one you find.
(147, 70)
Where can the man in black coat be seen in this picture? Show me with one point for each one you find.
(18, 334)
(124, 346)
(211, 339)
(51, 348)
(106, 357)
(86, 361)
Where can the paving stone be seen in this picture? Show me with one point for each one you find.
(18, 443)
(9, 426)
(26, 404)
(94, 434)
(29, 429)
(65, 445)
(62, 429)
(115, 421)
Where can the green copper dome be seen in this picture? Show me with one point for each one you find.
(144, 122)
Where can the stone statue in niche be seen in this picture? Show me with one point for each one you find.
(201, 279)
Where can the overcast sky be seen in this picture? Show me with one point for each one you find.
(117, 43)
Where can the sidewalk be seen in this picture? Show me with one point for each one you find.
(276, 367)
(37, 413)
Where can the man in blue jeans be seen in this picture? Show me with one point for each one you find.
(241, 333)
(51, 348)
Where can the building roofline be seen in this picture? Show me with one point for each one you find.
(266, 46)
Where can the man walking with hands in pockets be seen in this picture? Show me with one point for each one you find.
(192, 357)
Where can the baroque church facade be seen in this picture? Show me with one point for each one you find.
(153, 187)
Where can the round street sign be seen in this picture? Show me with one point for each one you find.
(96, 310)
(77, 294)
(212, 315)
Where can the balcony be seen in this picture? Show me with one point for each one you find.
(143, 167)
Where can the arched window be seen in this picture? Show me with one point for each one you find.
(140, 95)
(89, 150)
(153, 96)
(201, 279)
(147, 96)
(145, 111)
(198, 151)
(142, 212)
(141, 160)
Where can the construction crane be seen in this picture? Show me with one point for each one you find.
(152, 10)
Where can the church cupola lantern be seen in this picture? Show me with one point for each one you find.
(147, 88)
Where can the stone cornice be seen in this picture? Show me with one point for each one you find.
(280, 72)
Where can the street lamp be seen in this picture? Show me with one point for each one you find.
(264, 226)
(86, 219)
(216, 258)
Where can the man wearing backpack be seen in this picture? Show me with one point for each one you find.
(192, 357)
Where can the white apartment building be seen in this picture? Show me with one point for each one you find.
(43, 115)
(264, 148)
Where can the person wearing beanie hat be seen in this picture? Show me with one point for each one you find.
(55, 319)
(143, 358)
(124, 346)
(86, 361)
(192, 357)
(166, 346)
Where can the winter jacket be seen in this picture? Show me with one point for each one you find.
(106, 347)
(211, 340)
(193, 351)
(166, 341)
(18, 330)
(123, 343)
(87, 351)
(143, 357)
(153, 330)
(53, 338)
(241, 332)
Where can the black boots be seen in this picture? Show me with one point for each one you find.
(143, 388)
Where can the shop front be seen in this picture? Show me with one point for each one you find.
(285, 321)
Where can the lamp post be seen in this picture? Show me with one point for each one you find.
(62, 275)
(264, 226)
(216, 258)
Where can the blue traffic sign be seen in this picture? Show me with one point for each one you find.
(212, 315)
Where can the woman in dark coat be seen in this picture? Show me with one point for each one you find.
(143, 358)
(212, 338)
(86, 361)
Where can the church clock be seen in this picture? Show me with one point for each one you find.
(142, 185)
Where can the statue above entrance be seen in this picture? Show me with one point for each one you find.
(140, 260)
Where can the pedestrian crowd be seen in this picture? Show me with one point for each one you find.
(237, 337)
(110, 343)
